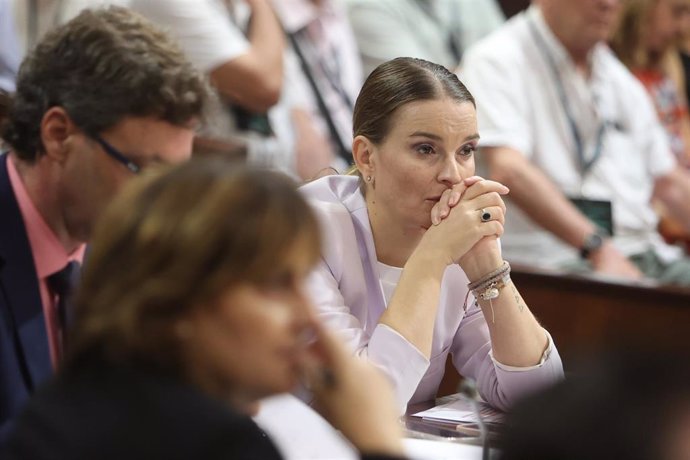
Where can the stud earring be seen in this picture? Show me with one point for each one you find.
(368, 178)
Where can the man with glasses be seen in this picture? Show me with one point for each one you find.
(97, 101)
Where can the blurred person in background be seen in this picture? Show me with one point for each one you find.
(323, 68)
(245, 68)
(98, 100)
(576, 138)
(435, 30)
(647, 41)
(171, 352)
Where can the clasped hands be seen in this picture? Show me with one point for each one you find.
(467, 220)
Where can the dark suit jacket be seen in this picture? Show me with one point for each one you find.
(104, 412)
(24, 353)
(96, 411)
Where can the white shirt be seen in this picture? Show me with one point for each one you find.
(386, 29)
(519, 106)
(203, 29)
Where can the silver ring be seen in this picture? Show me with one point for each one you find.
(485, 215)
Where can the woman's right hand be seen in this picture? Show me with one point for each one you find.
(353, 396)
(456, 219)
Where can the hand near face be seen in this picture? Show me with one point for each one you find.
(353, 396)
(450, 198)
(458, 227)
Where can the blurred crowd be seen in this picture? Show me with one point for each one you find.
(286, 72)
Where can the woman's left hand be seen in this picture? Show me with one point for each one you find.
(450, 198)
(485, 255)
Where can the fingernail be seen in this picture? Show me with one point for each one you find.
(454, 198)
(444, 214)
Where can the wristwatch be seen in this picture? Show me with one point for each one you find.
(592, 242)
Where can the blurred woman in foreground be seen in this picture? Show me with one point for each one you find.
(190, 311)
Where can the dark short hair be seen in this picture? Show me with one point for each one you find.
(102, 66)
(398, 82)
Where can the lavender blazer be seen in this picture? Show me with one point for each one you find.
(347, 293)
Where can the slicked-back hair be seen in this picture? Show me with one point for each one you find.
(397, 82)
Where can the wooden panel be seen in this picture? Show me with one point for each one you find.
(587, 315)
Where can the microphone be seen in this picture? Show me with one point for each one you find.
(468, 389)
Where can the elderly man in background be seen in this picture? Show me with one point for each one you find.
(574, 135)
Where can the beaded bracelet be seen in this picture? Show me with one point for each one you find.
(490, 278)
(489, 286)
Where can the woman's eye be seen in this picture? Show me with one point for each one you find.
(468, 150)
(425, 149)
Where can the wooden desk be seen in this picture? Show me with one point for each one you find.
(587, 315)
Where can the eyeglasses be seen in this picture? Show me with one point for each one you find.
(117, 155)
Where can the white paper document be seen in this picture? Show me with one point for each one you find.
(461, 411)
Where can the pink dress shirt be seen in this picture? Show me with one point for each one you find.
(49, 257)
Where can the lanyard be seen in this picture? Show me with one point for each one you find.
(343, 151)
(585, 165)
(330, 65)
(452, 39)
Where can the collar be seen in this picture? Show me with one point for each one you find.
(48, 253)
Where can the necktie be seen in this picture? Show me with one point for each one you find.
(62, 283)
